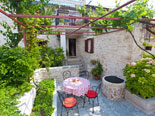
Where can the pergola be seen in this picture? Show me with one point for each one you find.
(75, 32)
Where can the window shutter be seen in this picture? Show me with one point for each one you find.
(86, 45)
(92, 46)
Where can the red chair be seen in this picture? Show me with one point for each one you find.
(93, 94)
(68, 102)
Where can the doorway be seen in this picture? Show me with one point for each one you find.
(72, 47)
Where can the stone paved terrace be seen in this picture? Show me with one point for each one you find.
(106, 107)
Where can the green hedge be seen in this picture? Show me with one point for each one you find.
(44, 101)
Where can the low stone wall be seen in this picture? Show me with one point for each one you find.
(146, 105)
(55, 72)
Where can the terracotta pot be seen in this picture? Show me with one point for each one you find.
(96, 78)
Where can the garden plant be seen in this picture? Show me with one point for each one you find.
(140, 77)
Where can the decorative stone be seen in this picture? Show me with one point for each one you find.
(113, 87)
(146, 105)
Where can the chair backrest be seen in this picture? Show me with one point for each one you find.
(60, 94)
(66, 74)
(84, 74)
(97, 88)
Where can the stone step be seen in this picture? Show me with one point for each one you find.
(82, 69)
(76, 61)
(73, 60)
(73, 63)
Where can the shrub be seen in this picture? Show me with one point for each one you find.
(16, 65)
(140, 77)
(44, 101)
(51, 57)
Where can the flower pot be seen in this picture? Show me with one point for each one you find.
(113, 87)
(148, 48)
(96, 78)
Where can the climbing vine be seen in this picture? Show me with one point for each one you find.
(28, 7)
(132, 14)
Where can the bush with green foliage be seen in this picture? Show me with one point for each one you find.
(16, 65)
(147, 45)
(8, 98)
(145, 55)
(140, 77)
(51, 57)
(44, 100)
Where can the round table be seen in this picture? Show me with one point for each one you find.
(76, 85)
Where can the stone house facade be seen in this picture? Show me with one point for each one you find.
(113, 50)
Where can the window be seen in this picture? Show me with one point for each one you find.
(89, 45)
(42, 43)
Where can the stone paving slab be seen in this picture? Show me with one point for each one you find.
(106, 107)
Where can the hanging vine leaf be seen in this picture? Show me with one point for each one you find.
(132, 14)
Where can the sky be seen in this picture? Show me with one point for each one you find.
(111, 3)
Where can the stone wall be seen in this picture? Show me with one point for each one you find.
(55, 72)
(114, 50)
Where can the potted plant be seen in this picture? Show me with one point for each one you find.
(147, 46)
(97, 71)
(93, 62)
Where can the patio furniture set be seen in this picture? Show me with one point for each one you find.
(74, 88)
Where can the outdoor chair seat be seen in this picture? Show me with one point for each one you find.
(91, 94)
(69, 102)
